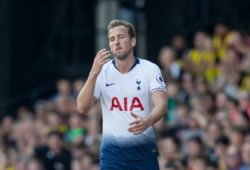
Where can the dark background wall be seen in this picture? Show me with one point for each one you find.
(4, 55)
(43, 40)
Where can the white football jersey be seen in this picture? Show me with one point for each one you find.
(121, 94)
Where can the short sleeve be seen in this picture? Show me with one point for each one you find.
(157, 82)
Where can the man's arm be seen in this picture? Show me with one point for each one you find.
(86, 98)
(140, 124)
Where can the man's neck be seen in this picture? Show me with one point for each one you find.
(124, 66)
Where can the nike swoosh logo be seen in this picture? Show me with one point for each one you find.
(109, 84)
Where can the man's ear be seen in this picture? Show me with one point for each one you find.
(133, 41)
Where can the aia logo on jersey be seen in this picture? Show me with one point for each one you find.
(125, 105)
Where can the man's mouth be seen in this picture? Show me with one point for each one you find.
(117, 49)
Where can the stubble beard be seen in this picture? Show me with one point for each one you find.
(122, 56)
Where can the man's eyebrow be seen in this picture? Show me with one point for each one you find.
(116, 35)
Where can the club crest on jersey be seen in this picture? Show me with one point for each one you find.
(125, 105)
(159, 79)
(138, 82)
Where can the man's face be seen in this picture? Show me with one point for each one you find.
(54, 143)
(120, 43)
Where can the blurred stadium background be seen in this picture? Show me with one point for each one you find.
(44, 41)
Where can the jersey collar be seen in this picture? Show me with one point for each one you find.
(137, 61)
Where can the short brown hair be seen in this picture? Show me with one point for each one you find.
(129, 26)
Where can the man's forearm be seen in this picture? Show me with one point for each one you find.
(86, 97)
(159, 100)
(157, 113)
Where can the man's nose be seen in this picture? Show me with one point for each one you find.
(117, 41)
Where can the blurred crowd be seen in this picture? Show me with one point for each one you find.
(207, 126)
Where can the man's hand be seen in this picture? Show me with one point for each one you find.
(139, 125)
(101, 58)
(86, 98)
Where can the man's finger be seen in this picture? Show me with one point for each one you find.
(135, 126)
(134, 115)
(137, 133)
(104, 54)
(138, 120)
(100, 51)
(136, 129)
(133, 123)
(103, 58)
(131, 128)
(104, 61)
